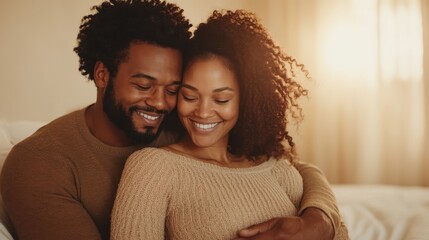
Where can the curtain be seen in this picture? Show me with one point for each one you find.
(366, 117)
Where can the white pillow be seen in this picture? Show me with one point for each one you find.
(5, 144)
(5, 147)
(19, 130)
(4, 233)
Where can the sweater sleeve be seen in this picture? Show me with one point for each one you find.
(141, 202)
(318, 193)
(40, 197)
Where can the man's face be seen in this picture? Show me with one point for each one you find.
(144, 90)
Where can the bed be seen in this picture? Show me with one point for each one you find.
(378, 212)
(371, 212)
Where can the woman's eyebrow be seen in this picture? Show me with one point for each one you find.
(189, 87)
(223, 89)
(215, 90)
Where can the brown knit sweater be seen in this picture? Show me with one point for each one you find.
(60, 183)
(166, 195)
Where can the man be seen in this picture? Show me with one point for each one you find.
(60, 183)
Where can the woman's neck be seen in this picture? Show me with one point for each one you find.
(216, 154)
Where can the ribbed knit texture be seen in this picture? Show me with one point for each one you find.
(163, 193)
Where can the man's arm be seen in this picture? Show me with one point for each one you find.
(40, 198)
(318, 216)
(318, 193)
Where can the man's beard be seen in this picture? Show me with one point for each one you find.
(123, 120)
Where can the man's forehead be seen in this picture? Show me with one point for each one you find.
(152, 62)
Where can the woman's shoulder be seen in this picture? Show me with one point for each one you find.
(285, 166)
(150, 152)
(149, 155)
(149, 162)
(283, 163)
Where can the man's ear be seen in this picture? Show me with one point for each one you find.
(101, 75)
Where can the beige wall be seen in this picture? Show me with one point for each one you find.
(39, 77)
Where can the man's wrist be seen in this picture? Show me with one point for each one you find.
(320, 223)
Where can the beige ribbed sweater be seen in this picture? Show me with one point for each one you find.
(162, 192)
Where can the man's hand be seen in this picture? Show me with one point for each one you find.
(312, 224)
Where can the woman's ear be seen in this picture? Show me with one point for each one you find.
(101, 75)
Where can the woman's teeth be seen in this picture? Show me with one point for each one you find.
(205, 126)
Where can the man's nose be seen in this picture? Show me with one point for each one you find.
(157, 100)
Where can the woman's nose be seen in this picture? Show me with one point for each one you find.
(204, 109)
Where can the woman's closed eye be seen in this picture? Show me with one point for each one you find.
(189, 98)
(222, 101)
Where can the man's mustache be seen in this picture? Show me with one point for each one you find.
(148, 109)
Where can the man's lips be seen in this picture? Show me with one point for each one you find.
(150, 118)
(147, 116)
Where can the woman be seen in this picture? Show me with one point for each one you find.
(234, 165)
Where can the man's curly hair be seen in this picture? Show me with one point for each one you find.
(268, 91)
(106, 34)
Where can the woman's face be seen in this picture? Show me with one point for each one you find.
(208, 102)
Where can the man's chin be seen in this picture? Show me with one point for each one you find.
(145, 136)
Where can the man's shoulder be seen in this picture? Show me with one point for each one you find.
(52, 135)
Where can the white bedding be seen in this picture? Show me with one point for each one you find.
(4, 234)
(382, 212)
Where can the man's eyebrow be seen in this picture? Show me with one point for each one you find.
(149, 77)
(143, 75)
(176, 82)
(216, 90)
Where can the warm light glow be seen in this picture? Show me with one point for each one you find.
(401, 41)
(374, 42)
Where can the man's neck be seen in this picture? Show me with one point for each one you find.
(103, 129)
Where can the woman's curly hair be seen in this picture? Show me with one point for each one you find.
(268, 91)
(106, 35)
